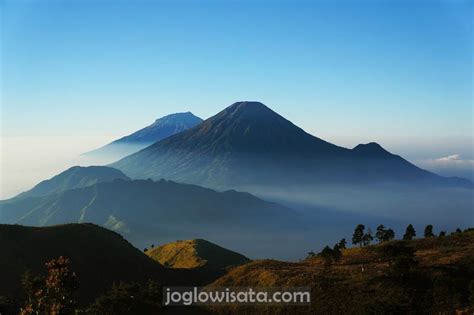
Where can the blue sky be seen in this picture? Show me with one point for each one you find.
(396, 72)
(79, 73)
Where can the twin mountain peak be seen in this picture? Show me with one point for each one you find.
(249, 145)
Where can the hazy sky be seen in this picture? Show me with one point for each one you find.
(396, 72)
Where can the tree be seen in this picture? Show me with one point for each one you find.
(56, 295)
(367, 238)
(429, 231)
(342, 244)
(380, 235)
(31, 284)
(458, 230)
(336, 252)
(152, 245)
(311, 255)
(389, 235)
(358, 234)
(442, 234)
(330, 255)
(327, 254)
(410, 233)
(383, 234)
(145, 250)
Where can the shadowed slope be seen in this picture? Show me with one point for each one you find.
(98, 256)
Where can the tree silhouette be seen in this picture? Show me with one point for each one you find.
(389, 235)
(383, 234)
(367, 238)
(410, 233)
(342, 244)
(442, 233)
(31, 284)
(358, 234)
(336, 252)
(380, 235)
(56, 295)
(429, 231)
(327, 254)
(330, 255)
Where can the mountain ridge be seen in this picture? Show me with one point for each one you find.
(160, 129)
(144, 210)
(247, 143)
(71, 178)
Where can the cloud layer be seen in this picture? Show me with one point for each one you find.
(453, 160)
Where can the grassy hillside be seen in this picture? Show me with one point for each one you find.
(380, 279)
(195, 254)
(98, 256)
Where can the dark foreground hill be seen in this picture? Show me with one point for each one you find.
(196, 253)
(249, 145)
(98, 256)
(426, 276)
(162, 128)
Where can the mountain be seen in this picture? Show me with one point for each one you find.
(72, 178)
(196, 253)
(144, 210)
(162, 128)
(98, 256)
(249, 145)
(424, 276)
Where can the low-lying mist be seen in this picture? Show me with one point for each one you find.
(323, 213)
(27, 160)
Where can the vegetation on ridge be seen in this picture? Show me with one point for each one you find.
(195, 254)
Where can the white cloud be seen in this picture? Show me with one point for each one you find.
(453, 160)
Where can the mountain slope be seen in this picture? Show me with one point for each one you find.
(195, 254)
(74, 177)
(98, 256)
(248, 144)
(160, 129)
(144, 210)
